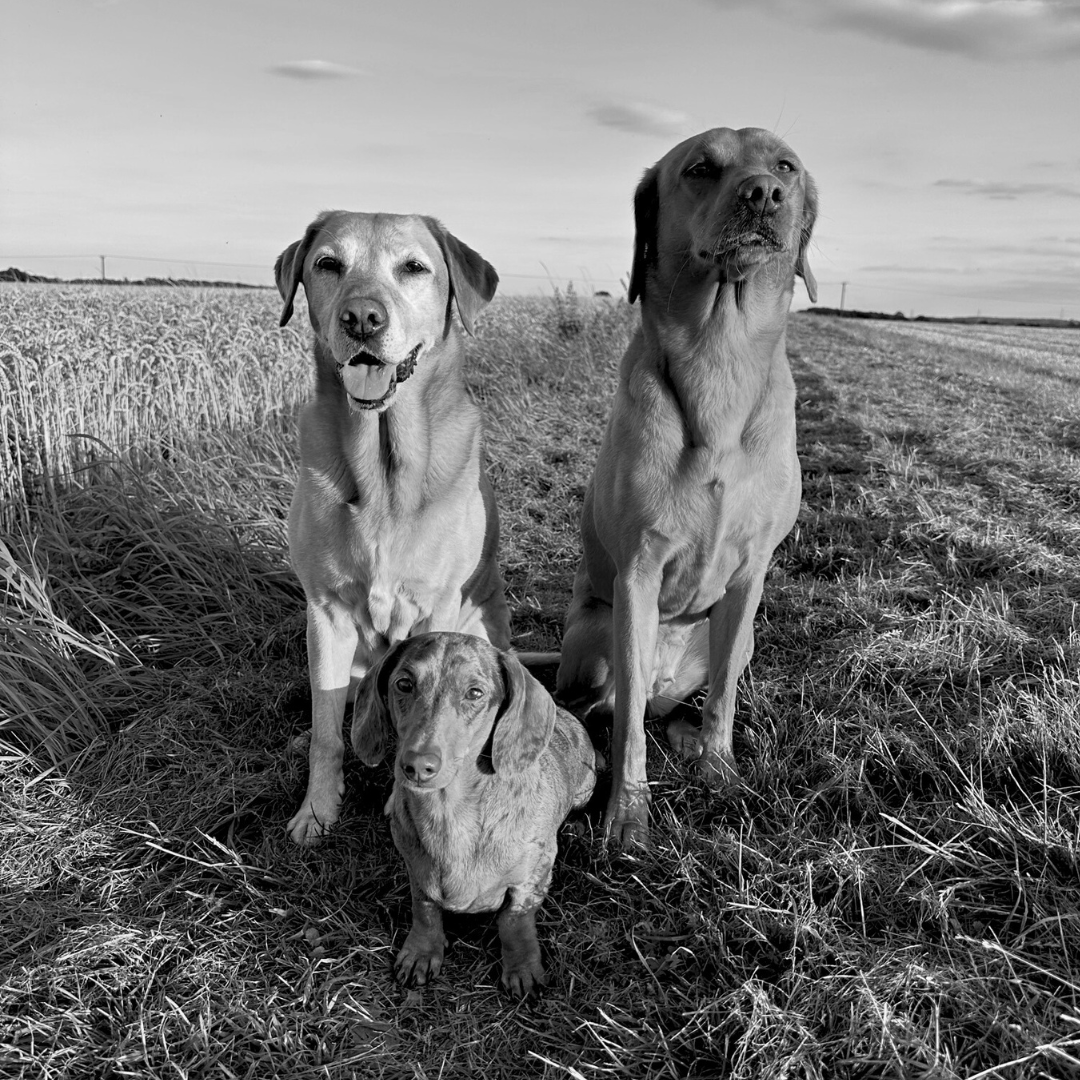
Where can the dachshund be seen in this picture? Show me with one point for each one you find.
(486, 769)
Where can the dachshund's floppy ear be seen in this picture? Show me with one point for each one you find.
(372, 727)
(473, 280)
(525, 721)
(289, 268)
(810, 211)
(646, 216)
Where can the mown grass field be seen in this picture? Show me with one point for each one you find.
(894, 893)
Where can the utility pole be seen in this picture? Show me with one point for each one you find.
(102, 258)
(843, 294)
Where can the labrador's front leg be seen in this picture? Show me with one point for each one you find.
(636, 622)
(731, 646)
(331, 643)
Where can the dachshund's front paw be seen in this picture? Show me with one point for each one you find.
(523, 974)
(524, 978)
(420, 959)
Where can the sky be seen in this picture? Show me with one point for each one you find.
(197, 139)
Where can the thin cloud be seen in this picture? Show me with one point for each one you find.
(1056, 288)
(1064, 166)
(900, 268)
(971, 256)
(996, 189)
(1042, 247)
(583, 238)
(945, 240)
(641, 118)
(314, 69)
(980, 29)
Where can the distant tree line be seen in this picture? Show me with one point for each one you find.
(977, 320)
(13, 273)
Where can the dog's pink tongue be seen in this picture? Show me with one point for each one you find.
(369, 382)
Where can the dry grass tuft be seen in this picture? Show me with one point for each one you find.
(891, 894)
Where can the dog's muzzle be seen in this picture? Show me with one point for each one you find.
(370, 382)
(757, 238)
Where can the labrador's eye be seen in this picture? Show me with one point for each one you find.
(415, 266)
(328, 263)
(699, 170)
(404, 684)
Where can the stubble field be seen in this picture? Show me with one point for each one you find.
(893, 892)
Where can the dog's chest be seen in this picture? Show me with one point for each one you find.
(393, 581)
(726, 527)
(460, 858)
(391, 608)
(695, 516)
(384, 600)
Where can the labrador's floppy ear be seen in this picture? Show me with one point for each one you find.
(473, 279)
(525, 721)
(810, 211)
(289, 268)
(372, 727)
(646, 217)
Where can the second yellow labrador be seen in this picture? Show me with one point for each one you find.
(697, 478)
(393, 528)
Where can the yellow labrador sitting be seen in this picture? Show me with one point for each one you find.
(697, 479)
(393, 527)
(486, 769)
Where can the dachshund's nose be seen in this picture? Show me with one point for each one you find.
(363, 317)
(421, 767)
(763, 192)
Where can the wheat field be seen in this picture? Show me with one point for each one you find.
(892, 893)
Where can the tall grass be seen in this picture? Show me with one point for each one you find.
(893, 893)
(87, 372)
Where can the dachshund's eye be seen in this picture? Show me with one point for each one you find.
(404, 684)
(415, 266)
(785, 166)
(474, 693)
(328, 263)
